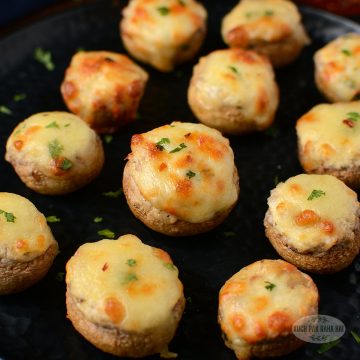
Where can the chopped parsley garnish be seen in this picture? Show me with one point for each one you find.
(113, 194)
(98, 219)
(163, 10)
(60, 276)
(52, 219)
(55, 149)
(234, 69)
(327, 346)
(10, 217)
(106, 232)
(269, 286)
(131, 262)
(5, 110)
(129, 277)
(346, 52)
(269, 13)
(356, 336)
(182, 2)
(19, 97)
(190, 174)
(160, 143)
(316, 194)
(67, 125)
(66, 164)
(180, 147)
(53, 124)
(44, 57)
(229, 233)
(276, 180)
(170, 266)
(108, 139)
(354, 116)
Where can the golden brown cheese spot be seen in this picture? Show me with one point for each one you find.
(184, 161)
(236, 287)
(21, 244)
(143, 290)
(246, 57)
(238, 37)
(162, 255)
(41, 241)
(184, 187)
(57, 166)
(137, 139)
(238, 323)
(105, 267)
(327, 226)
(296, 188)
(262, 100)
(18, 144)
(260, 303)
(306, 218)
(209, 146)
(69, 89)
(114, 309)
(280, 322)
(162, 167)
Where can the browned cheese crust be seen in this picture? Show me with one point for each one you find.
(160, 220)
(333, 260)
(17, 275)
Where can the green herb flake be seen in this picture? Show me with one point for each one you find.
(10, 217)
(163, 10)
(170, 266)
(52, 219)
(189, 299)
(98, 219)
(131, 262)
(234, 69)
(356, 336)
(106, 232)
(276, 180)
(177, 149)
(269, 286)
(346, 52)
(316, 194)
(80, 49)
(19, 97)
(190, 174)
(327, 346)
(66, 164)
(44, 57)
(160, 143)
(60, 276)
(229, 233)
(128, 278)
(108, 139)
(55, 149)
(182, 2)
(113, 194)
(67, 125)
(354, 116)
(5, 110)
(52, 125)
(269, 13)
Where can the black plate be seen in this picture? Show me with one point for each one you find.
(33, 324)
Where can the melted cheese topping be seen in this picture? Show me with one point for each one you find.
(262, 301)
(337, 67)
(313, 212)
(24, 233)
(240, 79)
(124, 283)
(178, 166)
(100, 81)
(156, 30)
(262, 20)
(45, 138)
(329, 136)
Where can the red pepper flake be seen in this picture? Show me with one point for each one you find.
(349, 123)
(18, 144)
(105, 267)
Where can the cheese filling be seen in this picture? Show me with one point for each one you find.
(313, 212)
(186, 170)
(329, 136)
(52, 140)
(262, 301)
(24, 233)
(124, 283)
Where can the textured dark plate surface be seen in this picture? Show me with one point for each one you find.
(33, 324)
